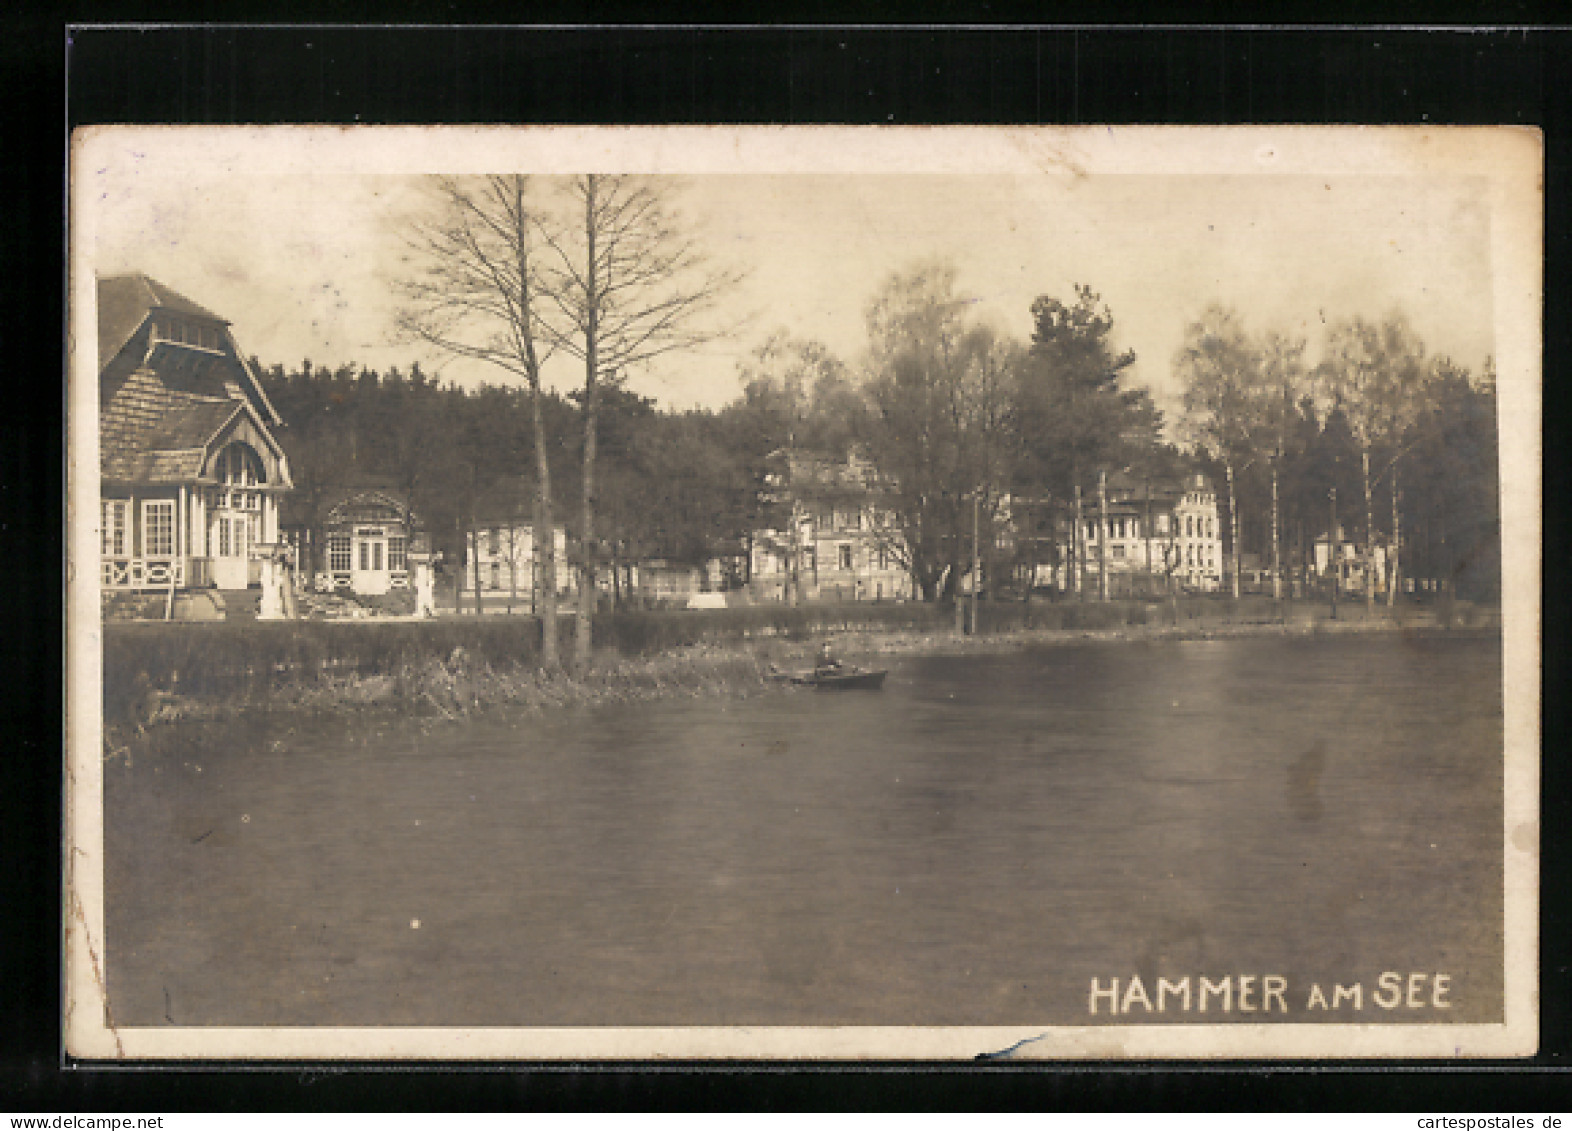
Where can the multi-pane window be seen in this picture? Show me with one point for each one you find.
(845, 557)
(338, 553)
(496, 575)
(398, 554)
(233, 532)
(158, 528)
(114, 526)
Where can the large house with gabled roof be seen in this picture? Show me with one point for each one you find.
(190, 470)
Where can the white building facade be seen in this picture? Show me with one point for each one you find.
(835, 542)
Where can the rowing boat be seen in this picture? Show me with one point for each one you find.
(843, 679)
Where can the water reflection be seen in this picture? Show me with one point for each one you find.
(969, 846)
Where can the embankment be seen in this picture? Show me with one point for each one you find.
(156, 673)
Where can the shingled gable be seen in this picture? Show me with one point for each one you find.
(129, 305)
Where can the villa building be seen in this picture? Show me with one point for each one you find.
(190, 471)
(368, 542)
(1159, 530)
(500, 561)
(832, 540)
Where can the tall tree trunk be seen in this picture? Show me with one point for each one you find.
(1147, 530)
(513, 565)
(474, 559)
(1391, 590)
(794, 562)
(1233, 529)
(1102, 535)
(581, 620)
(1364, 465)
(1075, 541)
(582, 624)
(1277, 553)
(544, 537)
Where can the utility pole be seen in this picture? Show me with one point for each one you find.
(1102, 535)
(1331, 553)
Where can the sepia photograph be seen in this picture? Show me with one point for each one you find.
(803, 593)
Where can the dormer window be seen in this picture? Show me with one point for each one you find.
(169, 329)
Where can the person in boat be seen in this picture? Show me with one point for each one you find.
(828, 664)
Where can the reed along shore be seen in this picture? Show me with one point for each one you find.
(162, 674)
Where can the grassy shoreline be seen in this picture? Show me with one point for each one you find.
(461, 683)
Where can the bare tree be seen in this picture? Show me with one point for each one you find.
(1373, 372)
(475, 292)
(627, 284)
(938, 388)
(1282, 385)
(1220, 370)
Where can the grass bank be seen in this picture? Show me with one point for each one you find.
(159, 673)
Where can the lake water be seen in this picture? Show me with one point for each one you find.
(972, 845)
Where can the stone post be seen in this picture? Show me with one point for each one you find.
(425, 598)
(272, 607)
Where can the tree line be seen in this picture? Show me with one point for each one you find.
(1397, 448)
(963, 421)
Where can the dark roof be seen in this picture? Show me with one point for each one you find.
(191, 425)
(367, 504)
(151, 434)
(124, 302)
(190, 370)
(124, 305)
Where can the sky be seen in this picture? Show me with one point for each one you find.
(307, 264)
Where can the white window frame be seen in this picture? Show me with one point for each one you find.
(149, 508)
(340, 553)
(115, 517)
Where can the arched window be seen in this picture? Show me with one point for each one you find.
(240, 466)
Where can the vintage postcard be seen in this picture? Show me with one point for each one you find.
(803, 593)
